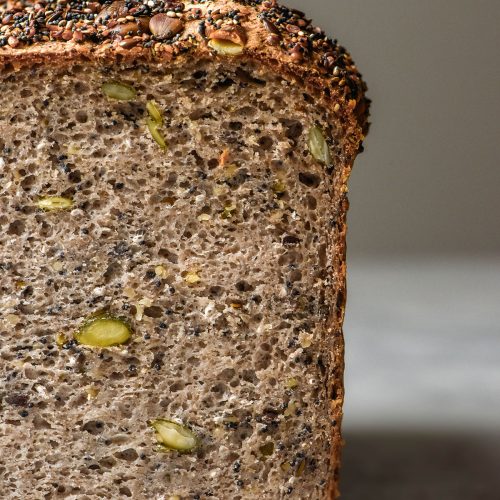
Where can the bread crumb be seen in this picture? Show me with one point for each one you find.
(13, 319)
(204, 217)
(224, 157)
(92, 393)
(129, 292)
(140, 306)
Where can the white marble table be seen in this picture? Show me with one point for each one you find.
(422, 416)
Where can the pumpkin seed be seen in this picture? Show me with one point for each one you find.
(104, 332)
(228, 211)
(173, 436)
(156, 134)
(279, 187)
(226, 47)
(161, 272)
(49, 203)
(119, 91)
(192, 277)
(154, 112)
(61, 339)
(318, 145)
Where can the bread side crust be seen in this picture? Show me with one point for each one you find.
(343, 95)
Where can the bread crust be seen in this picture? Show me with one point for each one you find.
(280, 40)
(300, 51)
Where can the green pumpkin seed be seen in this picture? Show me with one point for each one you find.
(119, 91)
(49, 203)
(104, 332)
(173, 436)
(318, 145)
(154, 112)
(156, 134)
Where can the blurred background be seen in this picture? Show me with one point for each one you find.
(422, 415)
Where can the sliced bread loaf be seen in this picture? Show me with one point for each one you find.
(172, 250)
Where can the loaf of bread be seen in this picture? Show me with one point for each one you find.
(172, 249)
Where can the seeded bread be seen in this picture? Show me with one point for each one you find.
(178, 170)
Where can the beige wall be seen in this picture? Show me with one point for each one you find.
(429, 181)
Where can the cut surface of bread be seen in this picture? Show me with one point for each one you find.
(194, 214)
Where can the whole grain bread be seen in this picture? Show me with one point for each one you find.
(179, 169)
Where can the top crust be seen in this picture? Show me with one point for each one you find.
(169, 32)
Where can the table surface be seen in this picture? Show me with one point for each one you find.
(422, 413)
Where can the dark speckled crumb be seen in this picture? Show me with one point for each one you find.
(225, 279)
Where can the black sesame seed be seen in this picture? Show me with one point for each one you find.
(68, 345)
(150, 275)
(121, 248)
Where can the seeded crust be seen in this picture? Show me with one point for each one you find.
(313, 59)
(309, 91)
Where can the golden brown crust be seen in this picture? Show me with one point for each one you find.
(262, 32)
